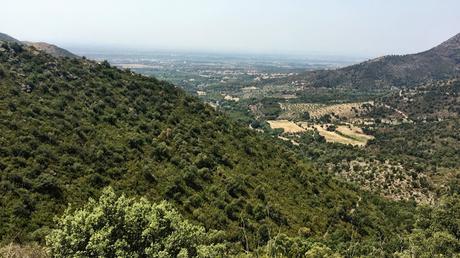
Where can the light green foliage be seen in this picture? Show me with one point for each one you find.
(123, 227)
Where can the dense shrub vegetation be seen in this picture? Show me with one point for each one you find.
(70, 128)
(430, 145)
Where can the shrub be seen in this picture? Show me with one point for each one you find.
(123, 227)
(319, 251)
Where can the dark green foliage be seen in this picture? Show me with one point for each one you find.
(270, 108)
(429, 102)
(432, 145)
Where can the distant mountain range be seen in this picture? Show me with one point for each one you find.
(401, 71)
(42, 46)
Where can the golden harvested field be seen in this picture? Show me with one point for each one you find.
(345, 134)
(287, 126)
(347, 110)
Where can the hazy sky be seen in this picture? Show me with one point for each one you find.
(345, 27)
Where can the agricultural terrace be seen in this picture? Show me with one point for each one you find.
(315, 110)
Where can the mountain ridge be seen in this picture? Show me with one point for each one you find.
(48, 48)
(8, 38)
(401, 71)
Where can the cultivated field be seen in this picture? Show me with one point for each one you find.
(287, 126)
(346, 110)
(354, 133)
(345, 134)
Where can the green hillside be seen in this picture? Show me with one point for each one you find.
(70, 127)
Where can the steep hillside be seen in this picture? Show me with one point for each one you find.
(70, 127)
(51, 49)
(406, 71)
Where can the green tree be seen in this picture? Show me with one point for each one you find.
(124, 227)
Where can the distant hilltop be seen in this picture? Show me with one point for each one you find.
(50, 49)
(8, 38)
